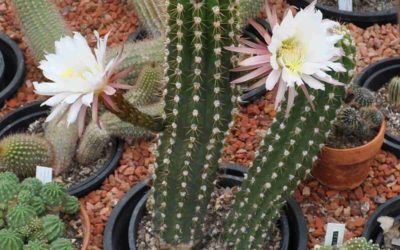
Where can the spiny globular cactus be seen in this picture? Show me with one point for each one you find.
(43, 25)
(152, 15)
(9, 240)
(71, 205)
(285, 157)
(61, 244)
(394, 92)
(199, 106)
(363, 97)
(53, 193)
(20, 153)
(36, 245)
(53, 227)
(20, 215)
(8, 189)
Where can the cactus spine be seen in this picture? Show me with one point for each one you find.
(10, 240)
(198, 109)
(394, 92)
(21, 154)
(284, 158)
(61, 244)
(42, 23)
(354, 244)
(151, 14)
(36, 245)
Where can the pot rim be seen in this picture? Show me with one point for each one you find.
(380, 134)
(86, 225)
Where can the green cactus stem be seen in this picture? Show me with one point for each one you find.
(43, 25)
(20, 215)
(394, 92)
(20, 154)
(64, 138)
(32, 184)
(53, 227)
(152, 15)
(61, 244)
(199, 107)
(53, 193)
(363, 97)
(36, 245)
(8, 190)
(354, 244)
(10, 240)
(71, 205)
(284, 158)
(9, 176)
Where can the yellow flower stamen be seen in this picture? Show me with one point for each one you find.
(291, 55)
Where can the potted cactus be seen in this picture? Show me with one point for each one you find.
(200, 104)
(355, 243)
(355, 139)
(36, 216)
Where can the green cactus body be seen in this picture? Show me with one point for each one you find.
(25, 197)
(372, 116)
(8, 190)
(151, 14)
(20, 215)
(53, 194)
(42, 23)
(36, 245)
(64, 138)
(21, 154)
(199, 107)
(10, 240)
(33, 228)
(249, 8)
(32, 184)
(71, 205)
(348, 120)
(53, 227)
(147, 87)
(92, 144)
(394, 92)
(153, 109)
(115, 127)
(38, 205)
(284, 158)
(9, 176)
(61, 244)
(353, 244)
(139, 54)
(363, 97)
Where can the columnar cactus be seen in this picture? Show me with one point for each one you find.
(284, 158)
(21, 154)
(394, 92)
(152, 15)
(64, 138)
(199, 105)
(43, 25)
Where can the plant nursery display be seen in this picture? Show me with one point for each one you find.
(355, 139)
(199, 124)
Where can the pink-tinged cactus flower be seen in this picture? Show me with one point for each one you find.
(79, 78)
(299, 52)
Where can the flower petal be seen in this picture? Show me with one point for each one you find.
(272, 79)
(312, 82)
(254, 74)
(74, 111)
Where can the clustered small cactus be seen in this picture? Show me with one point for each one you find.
(23, 225)
(353, 244)
(357, 121)
(394, 92)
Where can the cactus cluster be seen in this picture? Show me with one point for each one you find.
(353, 244)
(21, 221)
(43, 24)
(357, 121)
(21, 153)
(394, 92)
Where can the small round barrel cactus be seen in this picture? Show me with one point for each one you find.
(10, 240)
(32, 184)
(348, 120)
(353, 244)
(363, 97)
(38, 205)
(25, 197)
(8, 189)
(20, 153)
(8, 176)
(394, 92)
(20, 215)
(373, 117)
(53, 227)
(61, 244)
(71, 205)
(36, 245)
(33, 228)
(53, 193)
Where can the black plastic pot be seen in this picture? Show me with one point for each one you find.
(372, 229)
(14, 68)
(361, 19)
(2, 66)
(121, 228)
(374, 77)
(19, 120)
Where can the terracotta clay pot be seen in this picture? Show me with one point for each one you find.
(86, 227)
(344, 169)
